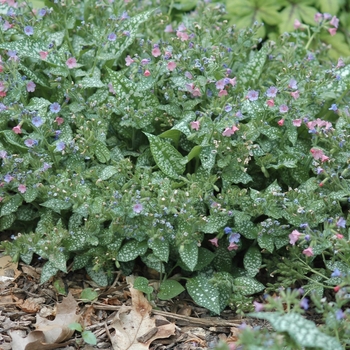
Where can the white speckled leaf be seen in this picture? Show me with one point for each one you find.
(203, 293)
(47, 272)
(252, 261)
(38, 103)
(189, 255)
(207, 157)
(56, 205)
(99, 277)
(12, 205)
(131, 250)
(92, 79)
(304, 332)
(248, 285)
(169, 289)
(102, 153)
(108, 172)
(6, 221)
(160, 248)
(252, 70)
(168, 159)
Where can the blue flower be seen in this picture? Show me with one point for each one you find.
(55, 107)
(333, 107)
(234, 237)
(339, 314)
(42, 12)
(341, 222)
(60, 146)
(336, 273)
(37, 121)
(30, 142)
(112, 37)
(227, 230)
(28, 30)
(304, 303)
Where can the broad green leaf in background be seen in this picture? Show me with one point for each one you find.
(169, 289)
(189, 255)
(168, 158)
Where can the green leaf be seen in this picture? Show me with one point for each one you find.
(56, 205)
(88, 294)
(89, 337)
(207, 157)
(49, 270)
(6, 221)
(251, 71)
(329, 6)
(203, 293)
(142, 284)
(266, 242)
(189, 255)
(107, 172)
(31, 194)
(92, 80)
(131, 250)
(11, 205)
(248, 285)
(205, 257)
(14, 140)
(75, 326)
(169, 289)
(304, 332)
(99, 276)
(168, 159)
(160, 248)
(102, 153)
(223, 260)
(214, 223)
(252, 261)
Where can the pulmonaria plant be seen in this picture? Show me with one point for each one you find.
(192, 146)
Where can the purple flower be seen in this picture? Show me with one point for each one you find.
(30, 142)
(333, 107)
(227, 230)
(124, 15)
(284, 109)
(258, 306)
(8, 178)
(46, 166)
(228, 108)
(60, 146)
(37, 121)
(2, 107)
(234, 237)
(220, 84)
(12, 54)
(31, 86)
(28, 30)
(112, 37)
(339, 314)
(145, 61)
(336, 273)
(271, 91)
(55, 107)
(137, 208)
(304, 303)
(252, 95)
(3, 154)
(341, 222)
(293, 84)
(42, 12)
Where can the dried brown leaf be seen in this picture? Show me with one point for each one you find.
(134, 322)
(57, 330)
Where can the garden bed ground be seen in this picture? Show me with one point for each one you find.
(23, 298)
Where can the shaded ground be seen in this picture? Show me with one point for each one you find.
(22, 299)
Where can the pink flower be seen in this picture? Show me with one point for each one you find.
(318, 17)
(294, 236)
(232, 246)
(128, 60)
(340, 63)
(181, 35)
(230, 131)
(220, 84)
(297, 24)
(324, 158)
(171, 66)
(71, 62)
(222, 93)
(295, 94)
(111, 88)
(43, 54)
(195, 125)
(270, 103)
(156, 52)
(317, 153)
(233, 81)
(59, 120)
(22, 188)
(297, 122)
(30, 86)
(167, 54)
(308, 252)
(3, 87)
(17, 129)
(332, 31)
(147, 73)
(137, 208)
(339, 236)
(188, 75)
(334, 22)
(280, 122)
(214, 241)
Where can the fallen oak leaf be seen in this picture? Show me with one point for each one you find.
(34, 341)
(133, 324)
(57, 331)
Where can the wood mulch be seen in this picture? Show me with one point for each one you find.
(22, 298)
